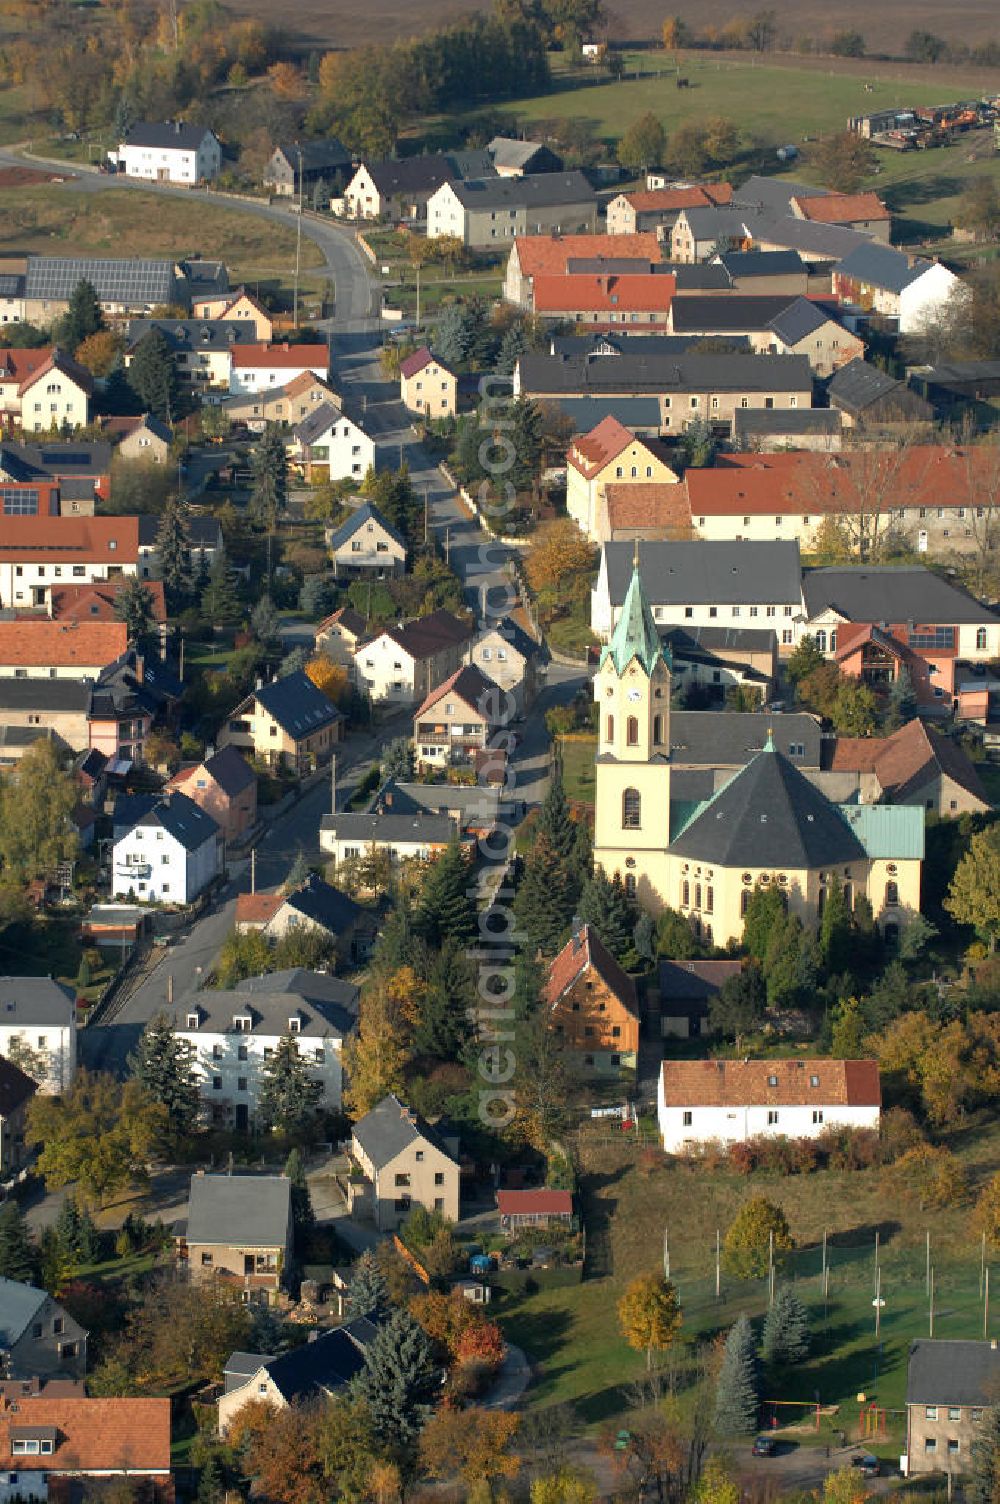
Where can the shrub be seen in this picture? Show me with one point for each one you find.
(742, 1157)
(933, 1177)
(805, 1154)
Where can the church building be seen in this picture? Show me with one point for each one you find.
(767, 826)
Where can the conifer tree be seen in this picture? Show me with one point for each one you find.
(736, 1394)
(605, 904)
(269, 496)
(83, 317)
(554, 819)
(220, 603)
(17, 1255)
(67, 1229)
(546, 896)
(399, 1383)
(152, 375)
(211, 1485)
(172, 551)
(443, 1026)
(786, 1329)
(134, 606)
(765, 910)
(303, 1216)
(368, 1293)
(165, 1066)
(289, 1095)
(835, 937)
(445, 908)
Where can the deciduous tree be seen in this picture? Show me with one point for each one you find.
(475, 1444)
(974, 895)
(643, 144)
(748, 1241)
(649, 1315)
(100, 1134)
(37, 801)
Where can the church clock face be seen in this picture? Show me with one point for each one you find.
(633, 695)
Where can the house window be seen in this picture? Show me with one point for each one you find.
(242, 1052)
(241, 1083)
(772, 1117)
(817, 1114)
(953, 1447)
(58, 1325)
(632, 731)
(930, 1444)
(954, 1412)
(401, 1178)
(813, 1080)
(980, 639)
(420, 1156)
(657, 730)
(686, 1119)
(685, 894)
(630, 884)
(631, 809)
(891, 895)
(439, 1177)
(930, 1412)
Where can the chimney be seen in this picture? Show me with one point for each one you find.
(577, 932)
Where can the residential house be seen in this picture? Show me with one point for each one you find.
(239, 1231)
(37, 552)
(950, 1386)
(81, 470)
(473, 808)
(347, 837)
(169, 152)
(260, 368)
(657, 209)
(338, 635)
(592, 1005)
(39, 1015)
(607, 299)
(61, 1446)
(17, 364)
(532, 256)
(427, 386)
(288, 404)
(482, 212)
(924, 610)
(686, 989)
(913, 766)
(730, 1101)
(907, 291)
(144, 438)
(170, 855)
(774, 324)
(39, 1337)
(766, 431)
(315, 907)
(44, 389)
(113, 714)
(366, 545)
(701, 234)
(706, 388)
(234, 1034)
(37, 648)
(12, 280)
(237, 306)
(16, 1091)
(650, 510)
(855, 211)
(297, 167)
(96, 601)
(458, 718)
(401, 189)
(951, 384)
(515, 159)
(124, 285)
(203, 536)
(869, 397)
(405, 1163)
(328, 445)
(702, 584)
(224, 785)
(511, 657)
(318, 1368)
(718, 658)
(609, 453)
(540, 1207)
(403, 664)
(202, 349)
(763, 272)
(288, 721)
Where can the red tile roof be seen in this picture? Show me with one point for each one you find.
(470, 685)
(746, 1083)
(541, 255)
(256, 908)
(905, 760)
(92, 1435)
(17, 364)
(590, 452)
(582, 952)
(604, 292)
(650, 504)
(700, 195)
(61, 644)
(303, 381)
(281, 357)
(60, 361)
(96, 602)
(70, 540)
(539, 1203)
(841, 208)
(415, 362)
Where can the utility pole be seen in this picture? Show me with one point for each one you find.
(333, 784)
(418, 294)
(427, 513)
(878, 1298)
(931, 1307)
(253, 869)
(718, 1266)
(986, 1306)
(927, 1275)
(666, 1253)
(823, 1270)
(298, 246)
(447, 546)
(180, 666)
(982, 1265)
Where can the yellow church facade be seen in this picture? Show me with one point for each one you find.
(767, 826)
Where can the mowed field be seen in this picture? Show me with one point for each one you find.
(341, 23)
(58, 219)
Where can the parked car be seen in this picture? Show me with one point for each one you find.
(867, 1465)
(764, 1446)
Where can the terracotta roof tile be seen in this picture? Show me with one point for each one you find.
(579, 954)
(415, 362)
(605, 292)
(70, 540)
(62, 644)
(60, 361)
(650, 504)
(17, 364)
(590, 452)
(745, 1083)
(257, 908)
(904, 761)
(841, 208)
(284, 356)
(96, 601)
(93, 1435)
(545, 255)
(542, 1202)
(700, 195)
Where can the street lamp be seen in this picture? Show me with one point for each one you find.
(298, 245)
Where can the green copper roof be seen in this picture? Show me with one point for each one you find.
(635, 634)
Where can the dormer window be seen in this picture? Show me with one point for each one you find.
(772, 1080)
(192, 1020)
(295, 1024)
(813, 1080)
(242, 1023)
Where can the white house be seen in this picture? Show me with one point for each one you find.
(345, 836)
(233, 1034)
(730, 1101)
(37, 553)
(331, 446)
(263, 368)
(366, 545)
(403, 664)
(169, 855)
(39, 1015)
(169, 152)
(885, 280)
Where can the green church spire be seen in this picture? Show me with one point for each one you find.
(635, 634)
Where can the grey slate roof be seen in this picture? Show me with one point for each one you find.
(200, 531)
(506, 151)
(540, 188)
(425, 173)
(241, 1366)
(798, 320)
(234, 1210)
(831, 242)
(366, 513)
(18, 1305)
(325, 905)
(127, 281)
(586, 375)
(715, 222)
(326, 1363)
(952, 1373)
(296, 704)
(194, 334)
(586, 412)
(181, 818)
(57, 696)
(390, 830)
(761, 263)
(611, 345)
(893, 593)
(774, 193)
(699, 276)
(317, 156)
(738, 311)
(729, 573)
(35, 1001)
(516, 637)
(858, 384)
(317, 422)
(769, 815)
(74, 457)
(166, 135)
(326, 1005)
(474, 805)
(390, 1128)
(881, 266)
(798, 420)
(713, 639)
(230, 770)
(722, 738)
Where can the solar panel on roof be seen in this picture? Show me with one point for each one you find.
(123, 281)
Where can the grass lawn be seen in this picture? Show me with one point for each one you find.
(572, 1333)
(54, 220)
(578, 768)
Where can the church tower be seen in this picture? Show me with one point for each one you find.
(632, 794)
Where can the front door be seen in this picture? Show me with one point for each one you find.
(242, 1117)
(248, 1263)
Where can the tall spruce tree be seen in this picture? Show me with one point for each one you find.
(303, 1216)
(220, 602)
(67, 1230)
(134, 606)
(289, 1094)
(152, 375)
(786, 1329)
(445, 908)
(443, 1026)
(399, 1383)
(83, 317)
(165, 1065)
(835, 930)
(554, 819)
(367, 1292)
(546, 897)
(172, 551)
(736, 1395)
(17, 1254)
(605, 904)
(269, 496)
